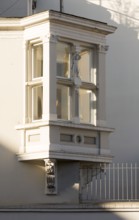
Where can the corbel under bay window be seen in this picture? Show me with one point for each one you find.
(34, 81)
(76, 83)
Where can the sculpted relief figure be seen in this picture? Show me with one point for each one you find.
(74, 67)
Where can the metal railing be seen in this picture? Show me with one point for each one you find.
(109, 182)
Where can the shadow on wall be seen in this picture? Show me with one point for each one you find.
(86, 9)
(20, 183)
(79, 7)
(23, 183)
(20, 186)
(122, 79)
(124, 12)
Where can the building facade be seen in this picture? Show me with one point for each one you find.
(54, 114)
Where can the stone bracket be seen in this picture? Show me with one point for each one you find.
(50, 177)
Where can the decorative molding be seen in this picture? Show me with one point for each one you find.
(50, 177)
(11, 34)
(50, 37)
(103, 48)
(57, 18)
(73, 34)
(75, 152)
(63, 123)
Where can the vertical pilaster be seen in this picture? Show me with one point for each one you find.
(25, 118)
(101, 102)
(49, 82)
(27, 78)
(25, 52)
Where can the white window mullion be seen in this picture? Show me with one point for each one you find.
(70, 103)
(29, 103)
(92, 112)
(32, 63)
(91, 67)
(76, 102)
(32, 104)
(29, 64)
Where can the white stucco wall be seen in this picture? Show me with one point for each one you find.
(26, 183)
(19, 183)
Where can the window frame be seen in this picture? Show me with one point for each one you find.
(31, 81)
(84, 84)
(33, 60)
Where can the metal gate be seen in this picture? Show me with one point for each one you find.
(109, 182)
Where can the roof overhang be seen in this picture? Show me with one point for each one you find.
(8, 24)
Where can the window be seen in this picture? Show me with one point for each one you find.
(63, 60)
(76, 92)
(34, 85)
(63, 77)
(76, 83)
(37, 102)
(37, 61)
(63, 102)
(87, 108)
(85, 64)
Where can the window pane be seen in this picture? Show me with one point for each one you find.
(62, 103)
(37, 61)
(37, 102)
(87, 106)
(63, 57)
(85, 65)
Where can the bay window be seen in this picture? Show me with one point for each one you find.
(64, 88)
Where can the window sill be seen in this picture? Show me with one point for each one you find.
(62, 123)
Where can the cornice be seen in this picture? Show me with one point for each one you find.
(55, 17)
(82, 22)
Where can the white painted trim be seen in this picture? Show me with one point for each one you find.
(11, 34)
(63, 124)
(17, 23)
(66, 156)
